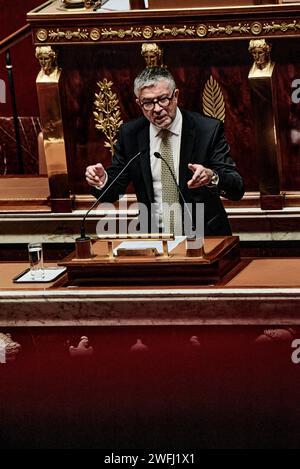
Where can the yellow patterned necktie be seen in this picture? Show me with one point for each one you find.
(171, 209)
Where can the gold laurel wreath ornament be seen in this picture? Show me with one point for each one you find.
(107, 114)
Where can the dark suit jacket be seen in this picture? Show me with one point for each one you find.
(202, 142)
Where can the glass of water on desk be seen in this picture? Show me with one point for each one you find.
(35, 253)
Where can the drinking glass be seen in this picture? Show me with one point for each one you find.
(36, 263)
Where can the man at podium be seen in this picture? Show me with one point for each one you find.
(173, 157)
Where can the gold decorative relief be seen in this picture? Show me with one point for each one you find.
(147, 32)
(78, 34)
(8, 348)
(121, 33)
(282, 27)
(83, 348)
(201, 30)
(95, 34)
(42, 35)
(168, 32)
(256, 28)
(183, 31)
(213, 100)
(107, 114)
(229, 29)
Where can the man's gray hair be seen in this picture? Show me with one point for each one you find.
(150, 76)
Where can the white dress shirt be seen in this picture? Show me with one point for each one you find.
(155, 163)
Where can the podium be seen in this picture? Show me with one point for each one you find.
(221, 256)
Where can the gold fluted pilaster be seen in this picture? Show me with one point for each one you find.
(264, 103)
(48, 90)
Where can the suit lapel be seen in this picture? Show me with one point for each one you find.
(187, 143)
(144, 146)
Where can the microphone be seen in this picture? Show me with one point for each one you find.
(158, 155)
(83, 243)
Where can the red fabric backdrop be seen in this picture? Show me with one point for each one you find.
(25, 66)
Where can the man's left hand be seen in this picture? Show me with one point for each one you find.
(202, 176)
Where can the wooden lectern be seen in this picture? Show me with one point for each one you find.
(221, 255)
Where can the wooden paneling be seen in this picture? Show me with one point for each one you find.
(197, 43)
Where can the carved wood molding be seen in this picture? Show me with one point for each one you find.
(210, 30)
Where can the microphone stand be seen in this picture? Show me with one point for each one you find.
(83, 244)
(191, 252)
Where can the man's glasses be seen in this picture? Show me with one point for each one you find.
(162, 102)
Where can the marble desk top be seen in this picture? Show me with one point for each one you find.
(49, 305)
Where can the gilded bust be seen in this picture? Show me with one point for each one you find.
(152, 54)
(261, 53)
(48, 62)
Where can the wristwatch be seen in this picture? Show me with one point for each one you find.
(214, 180)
